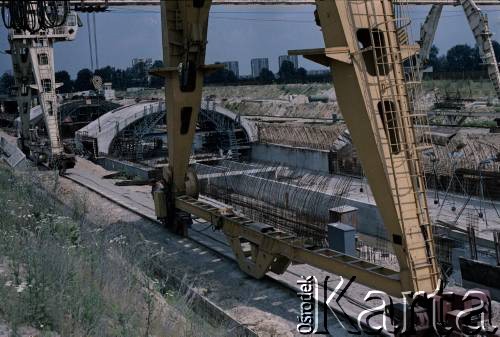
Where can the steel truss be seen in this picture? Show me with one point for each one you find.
(372, 93)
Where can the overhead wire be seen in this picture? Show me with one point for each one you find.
(95, 42)
(459, 13)
(90, 42)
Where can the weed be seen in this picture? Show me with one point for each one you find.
(59, 275)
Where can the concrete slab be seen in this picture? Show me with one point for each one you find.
(107, 127)
(11, 154)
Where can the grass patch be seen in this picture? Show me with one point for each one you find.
(467, 88)
(64, 277)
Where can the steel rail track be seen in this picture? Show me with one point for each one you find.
(83, 182)
(216, 310)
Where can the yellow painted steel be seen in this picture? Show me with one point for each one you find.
(271, 2)
(373, 98)
(184, 42)
(364, 50)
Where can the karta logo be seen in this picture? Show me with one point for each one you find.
(469, 321)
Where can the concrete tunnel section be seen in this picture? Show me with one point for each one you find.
(106, 128)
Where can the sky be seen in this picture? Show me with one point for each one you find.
(236, 33)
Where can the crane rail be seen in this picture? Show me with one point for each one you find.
(267, 2)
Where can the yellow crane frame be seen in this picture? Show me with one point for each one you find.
(365, 48)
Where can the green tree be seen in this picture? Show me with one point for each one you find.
(157, 81)
(266, 76)
(287, 72)
(121, 79)
(434, 60)
(107, 73)
(83, 80)
(463, 58)
(6, 83)
(301, 75)
(138, 75)
(64, 78)
(222, 76)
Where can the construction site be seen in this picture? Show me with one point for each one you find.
(202, 209)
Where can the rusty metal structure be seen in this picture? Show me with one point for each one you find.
(293, 200)
(320, 137)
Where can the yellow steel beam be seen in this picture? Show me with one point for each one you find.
(184, 42)
(269, 2)
(365, 55)
(372, 93)
(236, 227)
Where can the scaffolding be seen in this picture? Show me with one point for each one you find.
(134, 141)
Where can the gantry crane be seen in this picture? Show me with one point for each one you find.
(32, 52)
(364, 51)
(366, 48)
(51, 150)
(479, 25)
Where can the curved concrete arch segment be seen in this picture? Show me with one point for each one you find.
(109, 125)
(249, 127)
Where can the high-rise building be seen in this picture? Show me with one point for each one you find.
(258, 65)
(290, 58)
(148, 62)
(232, 66)
(318, 72)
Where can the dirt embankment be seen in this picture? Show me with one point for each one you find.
(65, 271)
(281, 108)
(271, 91)
(316, 100)
(312, 100)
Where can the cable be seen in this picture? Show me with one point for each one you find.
(148, 11)
(95, 43)
(90, 42)
(34, 15)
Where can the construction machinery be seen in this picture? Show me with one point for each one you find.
(37, 25)
(34, 27)
(479, 25)
(364, 50)
(367, 49)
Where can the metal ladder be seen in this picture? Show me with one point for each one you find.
(395, 121)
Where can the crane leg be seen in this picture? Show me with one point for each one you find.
(478, 22)
(33, 64)
(41, 52)
(21, 64)
(365, 53)
(428, 33)
(42, 61)
(184, 28)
